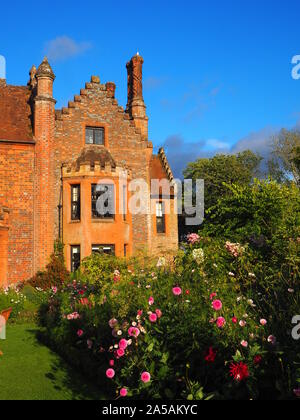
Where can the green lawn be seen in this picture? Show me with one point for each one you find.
(30, 371)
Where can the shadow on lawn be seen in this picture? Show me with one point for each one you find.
(65, 377)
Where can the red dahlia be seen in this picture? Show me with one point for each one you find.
(211, 355)
(257, 360)
(239, 371)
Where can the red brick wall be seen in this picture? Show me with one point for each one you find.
(16, 192)
(95, 106)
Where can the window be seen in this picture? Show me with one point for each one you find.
(103, 201)
(124, 203)
(125, 250)
(94, 135)
(75, 258)
(104, 249)
(75, 202)
(160, 218)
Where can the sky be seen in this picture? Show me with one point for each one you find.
(217, 74)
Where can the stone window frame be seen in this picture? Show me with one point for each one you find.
(95, 124)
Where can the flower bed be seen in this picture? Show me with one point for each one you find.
(207, 326)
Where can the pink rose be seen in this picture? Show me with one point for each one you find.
(243, 323)
(110, 373)
(153, 318)
(217, 305)
(263, 322)
(177, 291)
(244, 344)
(213, 295)
(234, 320)
(80, 333)
(123, 392)
(221, 322)
(146, 377)
(111, 363)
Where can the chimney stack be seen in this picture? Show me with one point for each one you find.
(135, 104)
(44, 130)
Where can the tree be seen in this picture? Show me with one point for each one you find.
(283, 164)
(238, 169)
(297, 159)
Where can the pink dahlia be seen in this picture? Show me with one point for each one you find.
(151, 301)
(153, 318)
(120, 352)
(133, 332)
(123, 344)
(123, 392)
(158, 313)
(177, 291)
(297, 392)
(146, 377)
(113, 322)
(80, 333)
(217, 305)
(272, 340)
(221, 322)
(193, 238)
(110, 373)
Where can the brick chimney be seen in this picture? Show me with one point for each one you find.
(135, 104)
(44, 126)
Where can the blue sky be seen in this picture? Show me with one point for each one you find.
(217, 74)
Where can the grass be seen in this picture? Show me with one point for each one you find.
(30, 371)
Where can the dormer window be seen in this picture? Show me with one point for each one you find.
(94, 135)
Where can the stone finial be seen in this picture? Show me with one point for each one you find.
(111, 89)
(32, 78)
(45, 70)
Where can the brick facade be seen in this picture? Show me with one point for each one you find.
(43, 152)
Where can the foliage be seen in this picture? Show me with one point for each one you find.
(55, 273)
(237, 169)
(283, 162)
(186, 327)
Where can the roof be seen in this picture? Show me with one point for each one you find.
(15, 114)
(159, 167)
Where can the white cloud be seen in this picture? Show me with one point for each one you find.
(257, 141)
(217, 144)
(64, 47)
